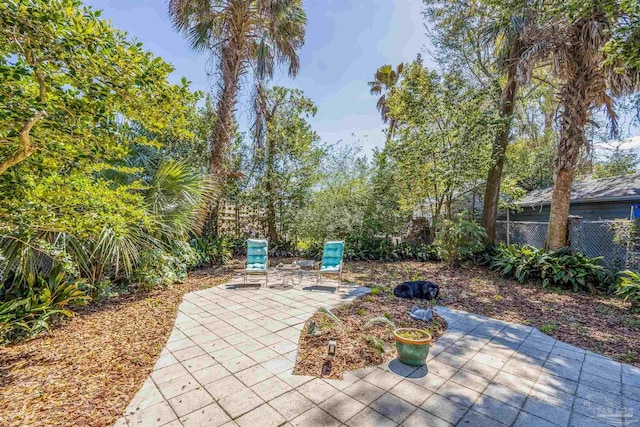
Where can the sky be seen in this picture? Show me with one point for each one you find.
(346, 41)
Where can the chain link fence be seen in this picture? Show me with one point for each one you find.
(615, 241)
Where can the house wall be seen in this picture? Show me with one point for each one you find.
(588, 211)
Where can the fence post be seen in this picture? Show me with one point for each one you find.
(572, 228)
(507, 226)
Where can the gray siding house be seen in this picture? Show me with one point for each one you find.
(593, 200)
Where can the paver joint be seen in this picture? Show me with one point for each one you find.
(230, 356)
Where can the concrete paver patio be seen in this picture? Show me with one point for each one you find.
(229, 359)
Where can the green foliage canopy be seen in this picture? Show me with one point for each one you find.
(287, 154)
(445, 129)
(82, 105)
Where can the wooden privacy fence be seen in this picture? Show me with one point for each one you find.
(240, 220)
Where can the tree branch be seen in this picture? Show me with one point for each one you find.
(25, 143)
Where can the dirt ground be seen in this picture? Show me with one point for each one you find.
(599, 323)
(359, 343)
(85, 371)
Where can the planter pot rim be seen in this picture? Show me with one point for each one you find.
(426, 340)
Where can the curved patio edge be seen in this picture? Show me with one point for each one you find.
(229, 358)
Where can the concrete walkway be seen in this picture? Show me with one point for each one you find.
(229, 358)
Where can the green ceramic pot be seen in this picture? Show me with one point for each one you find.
(413, 346)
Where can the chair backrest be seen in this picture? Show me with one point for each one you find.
(332, 254)
(257, 254)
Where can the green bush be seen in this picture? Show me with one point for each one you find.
(309, 250)
(238, 246)
(372, 248)
(459, 240)
(357, 248)
(628, 286)
(31, 307)
(211, 250)
(560, 268)
(282, 249)
(159, 268)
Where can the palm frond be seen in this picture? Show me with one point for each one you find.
(119, 249)
(174, 199)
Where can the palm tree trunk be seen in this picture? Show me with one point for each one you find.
(231, 63)
(499, 149)
(557, 233)
(271, 191)
(392, 128)
(573, 118)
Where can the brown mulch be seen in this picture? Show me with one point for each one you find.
(85, 371)
(354, 337)
(599, 323)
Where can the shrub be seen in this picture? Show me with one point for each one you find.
(238, 246)
(282, 249)
(158, 268)
(212, 250)
(628, 286)
(560, 268)
(309, 249)
(459, 240)
(365, 248)
(32, 306)
(357, 248)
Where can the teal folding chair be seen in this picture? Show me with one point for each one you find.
(257, 259)
(332, 260)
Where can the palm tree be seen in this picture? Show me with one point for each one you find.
(484, 39)
(385, 80)
(591, 75)
(244, 35)
(506, 34)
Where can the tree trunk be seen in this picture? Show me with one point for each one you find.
(271, 190)
(26, 149)
(573, 118)
(392, 128)
(231, 63)
(557, 232)
(498, 153)
(576, 100)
